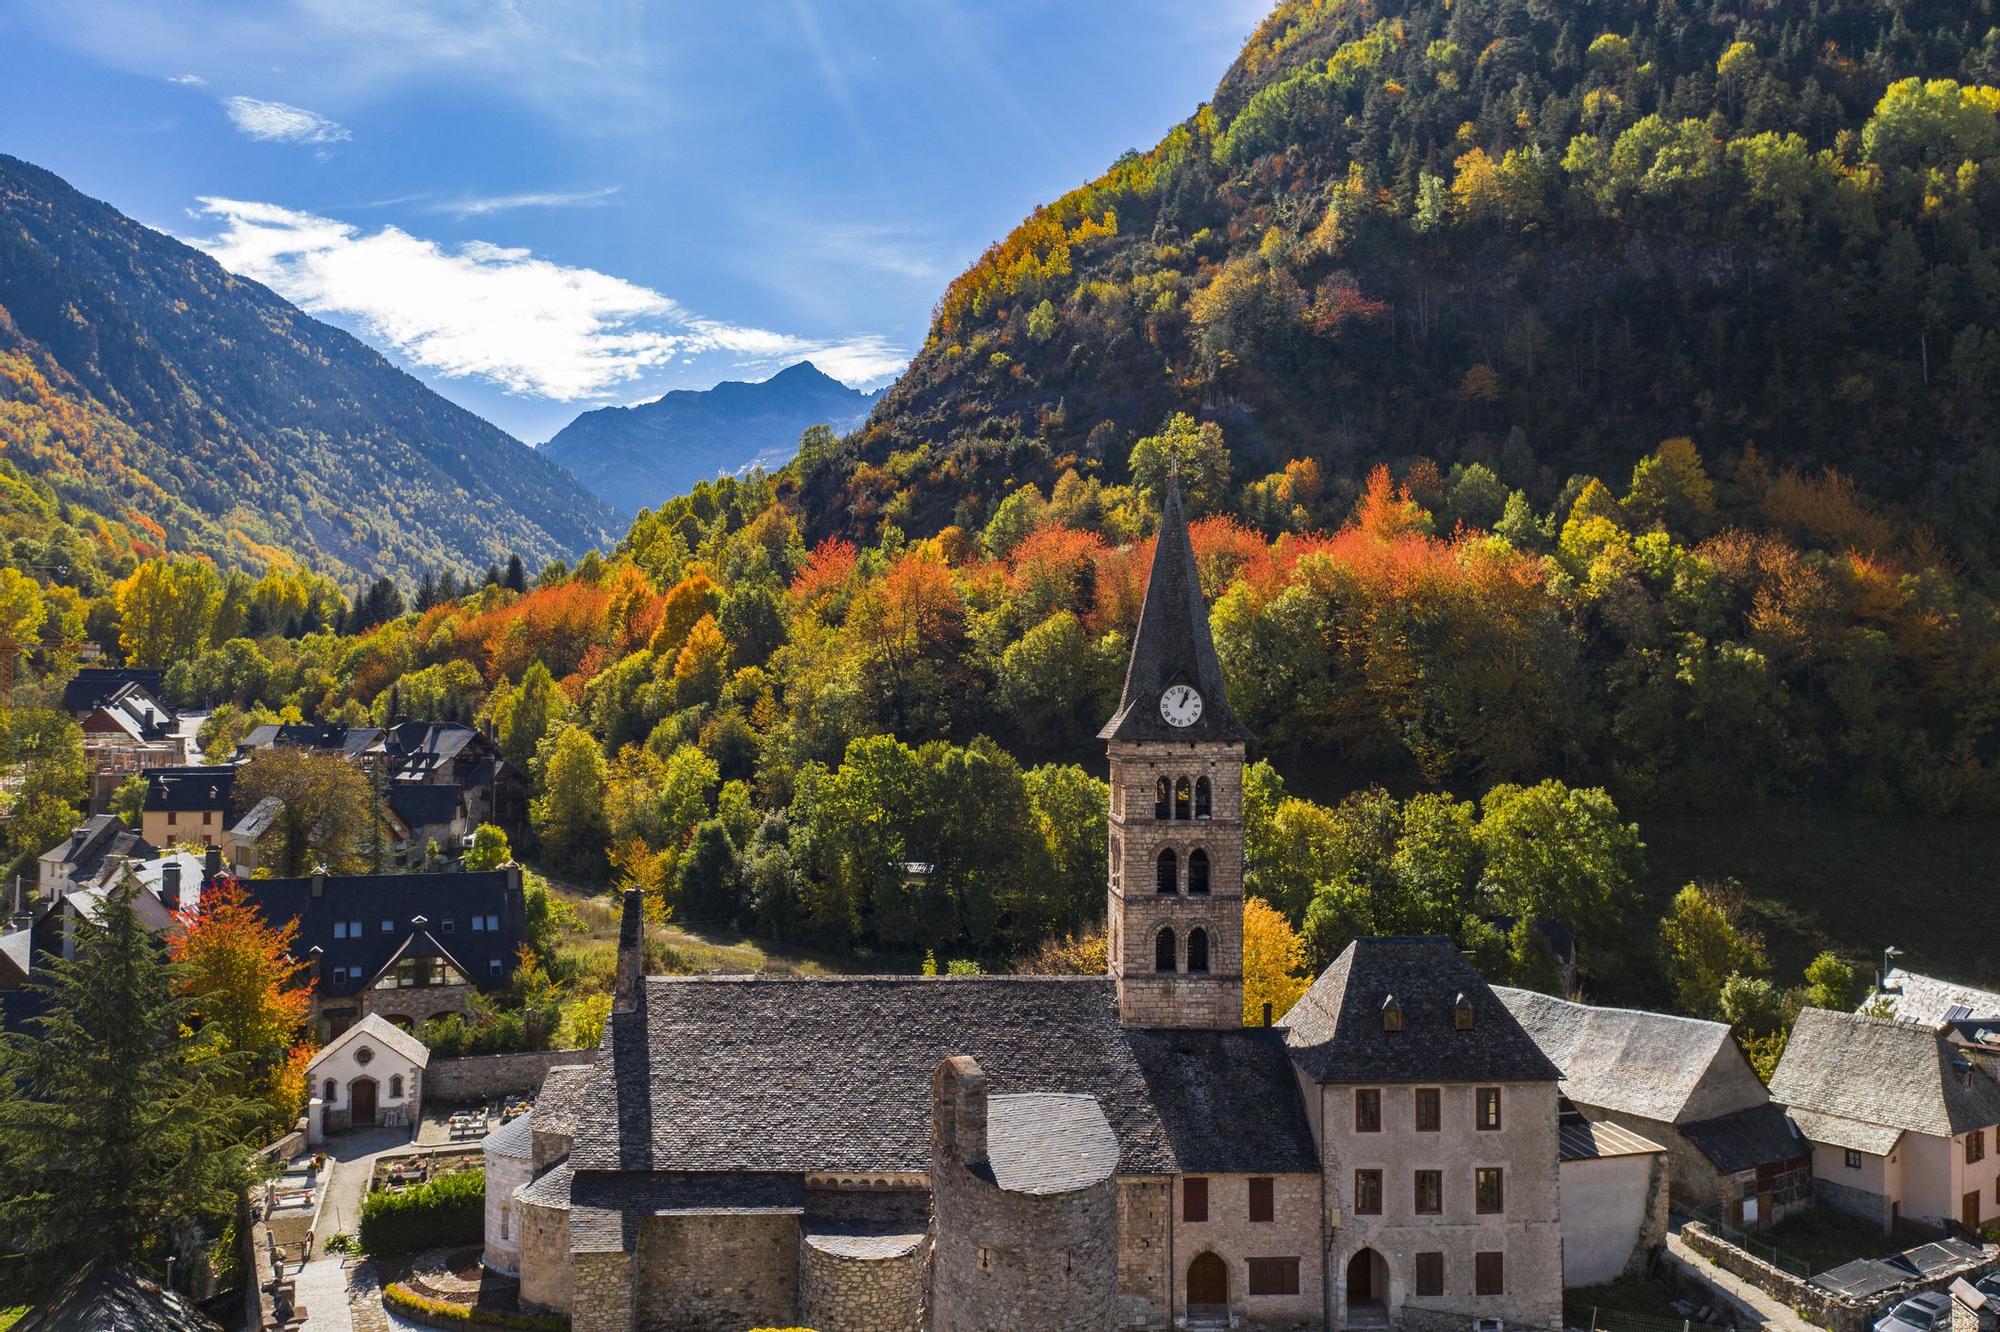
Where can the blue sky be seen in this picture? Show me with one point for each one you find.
(541, 207)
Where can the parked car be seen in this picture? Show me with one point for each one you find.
(1919, 1313)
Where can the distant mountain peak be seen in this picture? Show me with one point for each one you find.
(635, 457)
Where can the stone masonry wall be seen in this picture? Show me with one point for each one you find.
(476, 1076)
(841, 1290)
(417, 1003)
(545, 1258)
(1144, 1250)
(712, 1271)
(601, 1297)
(1230, 1234)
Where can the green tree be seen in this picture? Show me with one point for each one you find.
(489, 849)
(1070, 817)
(569, 814)
(1701, 948)
(1751, 1004)
(118, 1134)
(325, 809)
(1013, 519)
(1559, 852)
(166, 611)
(1201, 455)
(1830, 983)
(523, 721)
(709, 883)
(128, 802)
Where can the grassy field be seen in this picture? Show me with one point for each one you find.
(1823, 1239)
(678, 950)
(1854, 883)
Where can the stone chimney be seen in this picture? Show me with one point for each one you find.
(631, 955)
(211, 865)
(170, 885)
(958, 1112)
(319, 881)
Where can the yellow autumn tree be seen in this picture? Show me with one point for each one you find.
(1274, 962)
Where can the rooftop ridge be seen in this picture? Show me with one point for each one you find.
(1647, 1013)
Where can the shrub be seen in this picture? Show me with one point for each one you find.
(443, 1313)
(443, 1212)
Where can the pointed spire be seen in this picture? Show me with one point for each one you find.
(1173, 645)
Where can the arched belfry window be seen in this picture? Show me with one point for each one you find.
(1163, 951)
(1197, 871)
(1167, 875)
(1183, 799)
(1198, 950)
(1163, 799)
(1204, 800)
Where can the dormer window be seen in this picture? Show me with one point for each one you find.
(1461, 1013)
(1392, 1014)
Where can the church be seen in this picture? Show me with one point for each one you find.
(1118, 1151)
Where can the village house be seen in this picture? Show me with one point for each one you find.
(1913, 997)
(422, 817)
(1905, 1125)
(370, 1074)
(1686, 1085)
(1615, 1199)
(187, 805)
(895, 1152)
(126, 727)
(414, 755)
(80, 857)
(405, 946)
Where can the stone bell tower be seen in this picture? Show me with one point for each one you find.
(1175, 914)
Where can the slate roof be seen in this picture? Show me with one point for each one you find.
(1880, 1071)
(1336, 1033)
(1838, 1131)
(374, 1027)
(561, 1097)
(603, 1204)
(515, 1138)
(94, 686)
(1242, 1078)
(424, 806)
(1048, 1143)
(398, 898)
(99, 839)
(259, 820)
(1173, 646)
(347, 741)
(1588, 1140)
(108, 1298)
(833, 1074)
(1647, 1065)
(1929, 1000)
(192, 788)
(1746, 1139)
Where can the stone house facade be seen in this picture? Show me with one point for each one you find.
(1055, 1152)
(373, 1073)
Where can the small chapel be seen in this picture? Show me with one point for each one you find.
(965, 1154)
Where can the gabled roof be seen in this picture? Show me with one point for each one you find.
(1242, 1078)
(375, 1028)
(259, 820)
(87, 847)
(397, 898)
(108, 1298)
(94, 686)
(1647, 1065)
(420, 943)
(190, 788)
(347, 741)
(1173, 646)
(1336, 1031)
(424, 806)
(1838, 1131)
(1746, 1139)
(561, 1098)
(1898, 1075)
(1931, 1001)
(833, 1074)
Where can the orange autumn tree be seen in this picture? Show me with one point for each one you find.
(243, 985)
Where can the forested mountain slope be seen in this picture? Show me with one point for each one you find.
(1541, 236)
(149, 385)
(635, 457)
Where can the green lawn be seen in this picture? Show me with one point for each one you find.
(1632, 1294)
(1823, 1239)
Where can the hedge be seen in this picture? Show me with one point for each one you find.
(441, 1214)
(443, 1313)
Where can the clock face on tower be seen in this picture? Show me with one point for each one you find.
(1181, 705)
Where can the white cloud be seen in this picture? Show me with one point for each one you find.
(280, 123)
(485, 311)
(188, 80)
(479, 206)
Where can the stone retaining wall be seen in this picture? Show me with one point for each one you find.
(1821, 1306)
(858, 1288)
(473, 1077)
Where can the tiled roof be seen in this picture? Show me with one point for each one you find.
(1242, 1078)
(1172, 646)
(1746, 1139)
(550, 1188)
(396, 898)
(515, 1139)
(833, 1074)
(1880, 1071)
(560, 1100)
(602, 1204)
(424, 806)
(1929, 1000)
(259, 820)
(108, 1298)
(1647, 1065)
(1046, 1142)
(183, 789)
(1587, 1140)
(95, 686)
(375, 1028)
(1336, 1032)
(1839, 1131)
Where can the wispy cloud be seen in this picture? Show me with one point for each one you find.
(188, 80)
(480, 206)
(484, 311)
(279, 122)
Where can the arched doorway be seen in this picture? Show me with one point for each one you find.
(361, 1102)
(1207, 1286)
(1367, 1289)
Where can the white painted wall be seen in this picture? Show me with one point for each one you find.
(1603, 1214)
(344, 1067)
